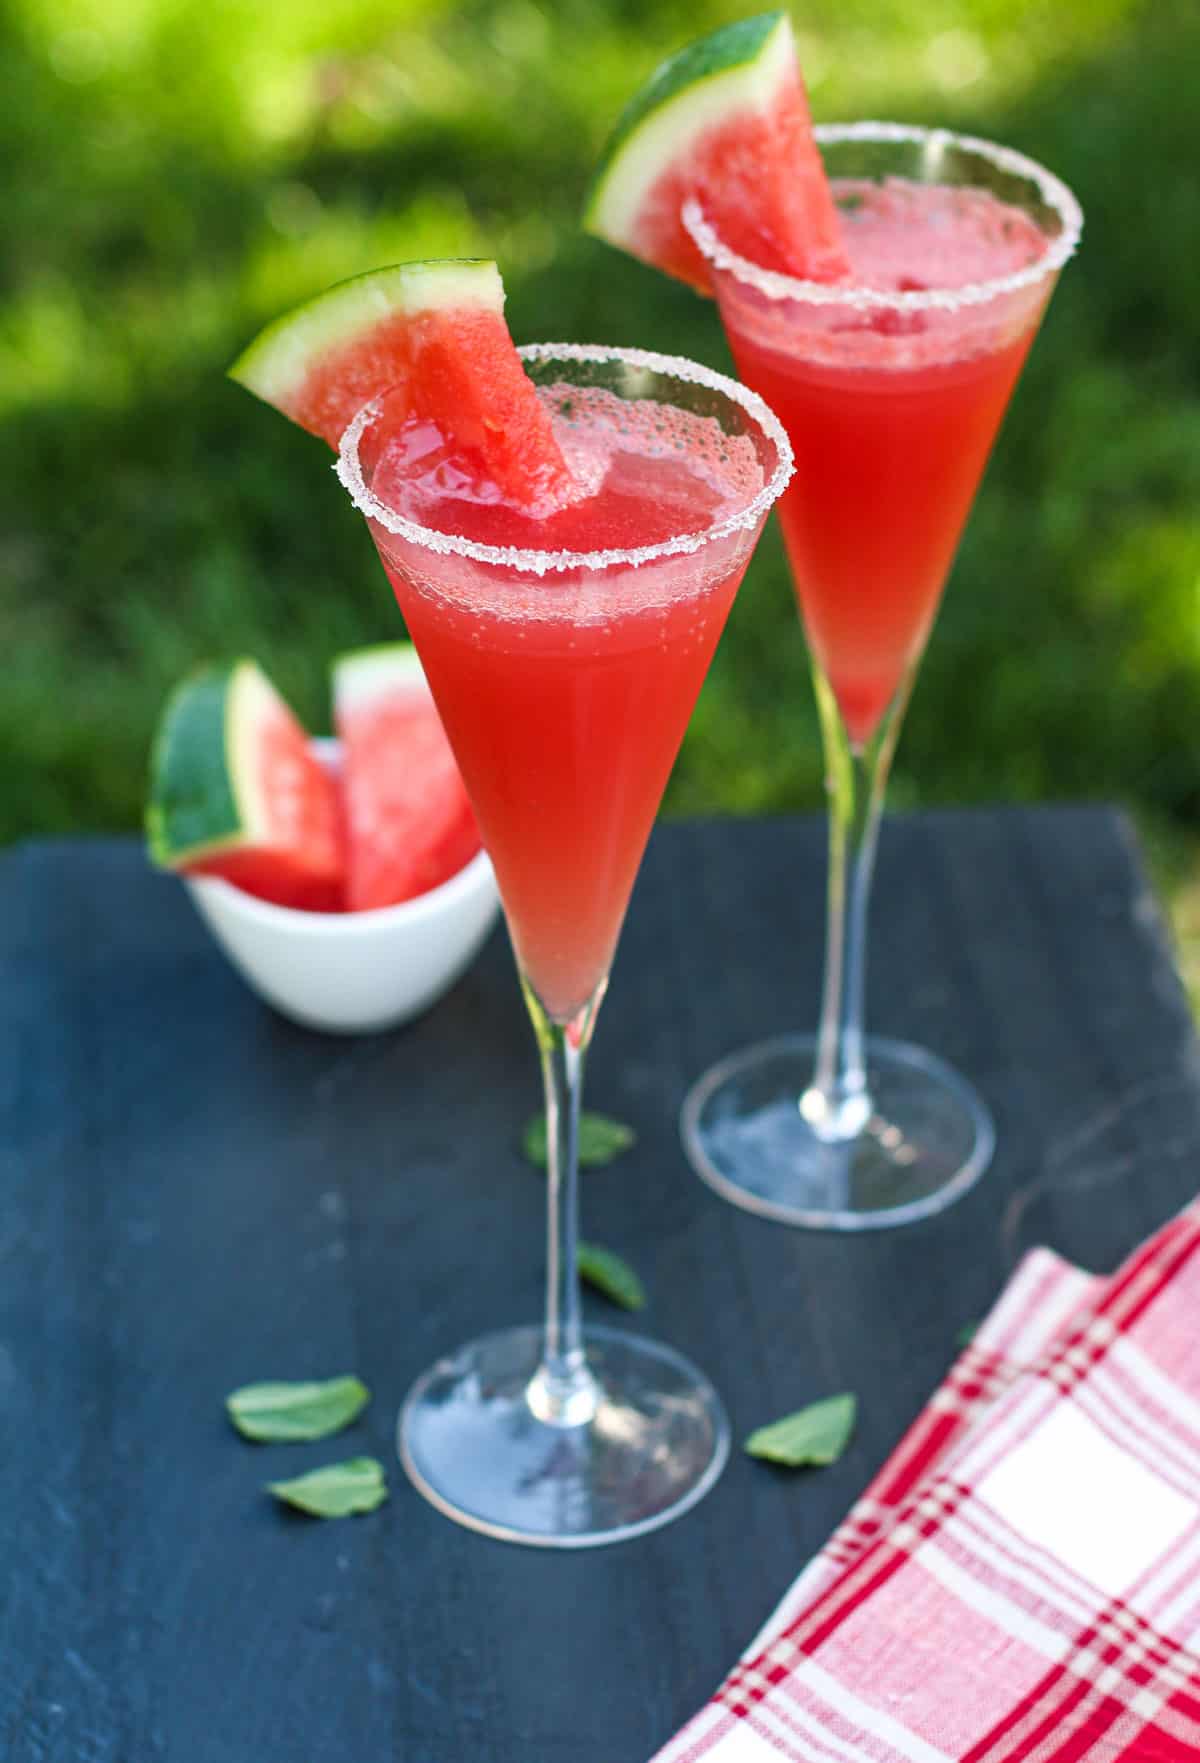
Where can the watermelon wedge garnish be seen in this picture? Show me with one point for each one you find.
(236, 792)
(409, 824)
(432, 334)
(725, 121)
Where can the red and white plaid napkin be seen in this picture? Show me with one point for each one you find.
(1022, 1579)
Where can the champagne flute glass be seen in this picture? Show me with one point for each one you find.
(565, 678)
(892, 390)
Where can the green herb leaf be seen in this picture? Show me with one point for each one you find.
(610, 1275)
(335, 1491)
(817, 1434)
(280, 1413)
(966, 1334)
(600, 1140)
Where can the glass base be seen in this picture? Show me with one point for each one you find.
(927, 1140)
(657, 1440)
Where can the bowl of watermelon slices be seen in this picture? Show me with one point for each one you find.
(343, 878)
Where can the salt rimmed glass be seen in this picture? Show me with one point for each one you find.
(556, 1435)
(896, 393)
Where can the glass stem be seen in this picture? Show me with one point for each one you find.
(837, 1104)
(563, 1391)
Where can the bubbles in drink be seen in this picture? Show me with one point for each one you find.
(906, 237)
(643, 473)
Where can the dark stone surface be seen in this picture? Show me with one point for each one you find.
(196, 1194)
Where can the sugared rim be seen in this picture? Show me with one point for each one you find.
(349, 471)
(777, 286)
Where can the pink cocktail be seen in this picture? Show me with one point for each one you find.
(566, 695)
(892, 386)
(565, 649)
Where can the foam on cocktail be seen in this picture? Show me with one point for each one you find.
(909, 237)
(639, 474)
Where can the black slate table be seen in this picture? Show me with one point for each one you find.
(196, 1194)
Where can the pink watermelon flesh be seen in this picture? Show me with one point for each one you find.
(298, 861)
(409, 825)
(754, 167)
(457, 368)
(761, 183)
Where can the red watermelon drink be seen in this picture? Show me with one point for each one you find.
(892, 410)
(565, 684)
(565, 640)
(880, 286)
(892, 385)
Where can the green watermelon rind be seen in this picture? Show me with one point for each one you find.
(717, 77)
(205, 798)
(360, 675)
(277, 364)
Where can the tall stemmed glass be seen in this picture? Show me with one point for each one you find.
(891, 391)
(565, 679)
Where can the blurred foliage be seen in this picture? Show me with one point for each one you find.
(181, 172)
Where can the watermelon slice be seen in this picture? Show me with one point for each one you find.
(726, 121)
(236, 792)
(434, 333)
(409, 825)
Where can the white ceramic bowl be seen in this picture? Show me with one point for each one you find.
(353, 972)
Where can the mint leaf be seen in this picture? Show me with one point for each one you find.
(600, 1140)
(817, 1434)
(966, 1334)
(281, 1413)
(610, 1275)
(533, 1141)
(335, 1491)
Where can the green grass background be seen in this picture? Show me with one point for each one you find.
(179, 171)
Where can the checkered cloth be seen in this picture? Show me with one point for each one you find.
(1022, 1579)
